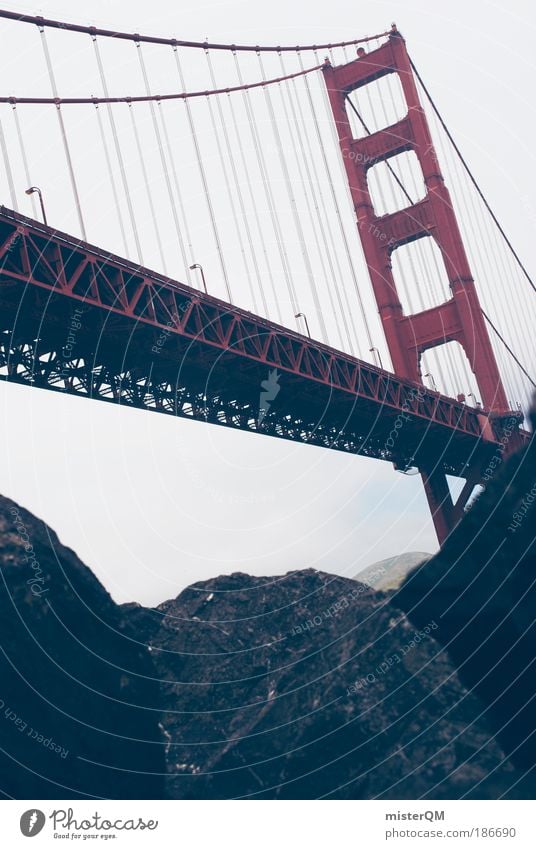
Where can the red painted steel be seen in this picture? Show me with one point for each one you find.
(143, 334)
(460, 318)
(46, 258)
(145, 341)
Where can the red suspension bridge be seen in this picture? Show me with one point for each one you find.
(275, 184)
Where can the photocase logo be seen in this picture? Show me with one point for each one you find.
(270, 388)
(31, 822)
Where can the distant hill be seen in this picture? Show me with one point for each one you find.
(388, 574)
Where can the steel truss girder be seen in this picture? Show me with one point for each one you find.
(32, 255)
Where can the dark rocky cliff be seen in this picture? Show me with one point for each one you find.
(481, 589)
(301, 686)
(310, 685)
(78, 705)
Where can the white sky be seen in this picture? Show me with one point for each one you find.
(151, 503)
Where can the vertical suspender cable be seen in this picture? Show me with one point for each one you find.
(479, 242)
(476, 186)
(473, 178)
(293, 206)
(480, 253)
(260, 231)
(336, 203)
(119, 154)
(63, 134)
(24, 158)
(203, 176)
(112, 181)
(324, 221)
(236, 183)
(147, 187)
(9, 173)
(178, 228)
(344, 236)
(302, 158)
(269, 196)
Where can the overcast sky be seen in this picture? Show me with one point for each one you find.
(151, 503)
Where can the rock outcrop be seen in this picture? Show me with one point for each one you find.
(481, 589)
(78, 700)
(302, 686)
(311, 685)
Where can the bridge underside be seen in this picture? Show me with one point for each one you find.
(74, 319)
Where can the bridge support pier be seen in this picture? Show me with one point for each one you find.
(446, 513)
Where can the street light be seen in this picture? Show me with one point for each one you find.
(475, 399)
(37, 190)
(432, 381)
(200, 267)
(374, 349)
(302, 315)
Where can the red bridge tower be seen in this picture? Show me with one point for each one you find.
(460, 317)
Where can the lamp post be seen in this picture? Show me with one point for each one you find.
(375, 350)
(37, 190)
(200, 267)
(432, 381)
(475, 399)
(302, 315)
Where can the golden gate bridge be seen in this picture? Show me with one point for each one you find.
(276, 174)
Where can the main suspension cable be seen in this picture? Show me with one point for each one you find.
(174, 42)
(183, 95)
(490, 211)
(473, 178)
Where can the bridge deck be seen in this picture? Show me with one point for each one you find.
(76, 319)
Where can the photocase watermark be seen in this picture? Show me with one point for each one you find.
(337, 606)
(32, 822)
(403, 416)
(391, 661)
(13, 242)
(66, 820)
(511, 425)
(22, 727)
(383, 237)
(37, 582)
(519, 516)
(93, 826)
(357, 156)
(11, 245)
(168, 330)
(70, 342)
(270, 389)
(162, 339)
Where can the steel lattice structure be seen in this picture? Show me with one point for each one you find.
(77, 320)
